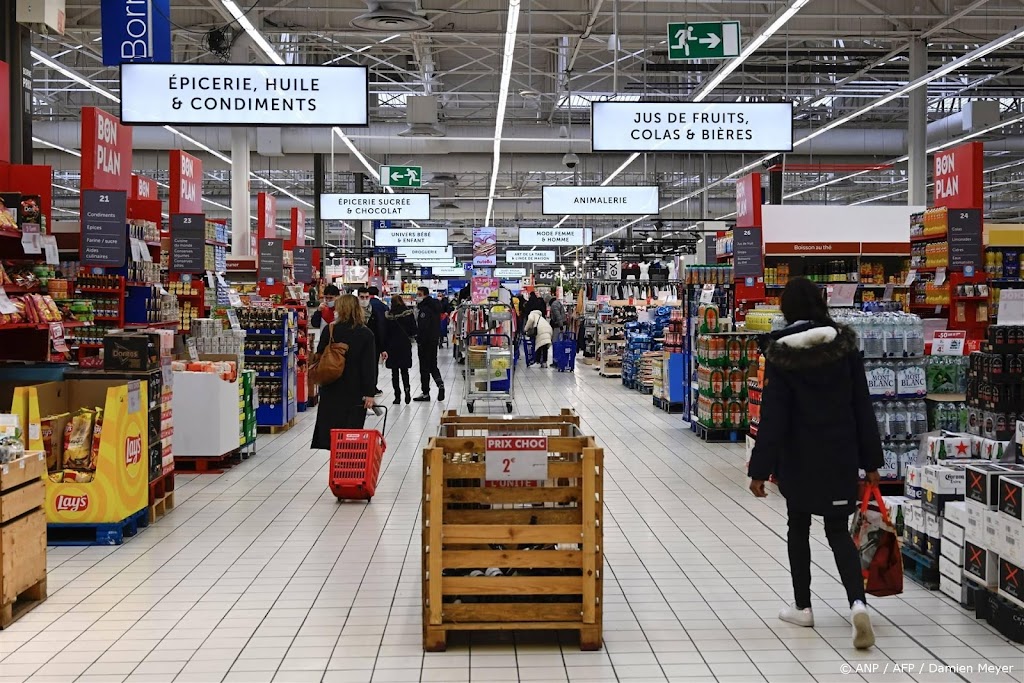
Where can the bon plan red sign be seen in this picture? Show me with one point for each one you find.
(748, 201)
(143, 188)
(266, 216)
(958, 176)
(106, 151)
(186, 183)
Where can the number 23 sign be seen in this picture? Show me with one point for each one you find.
(516, 458)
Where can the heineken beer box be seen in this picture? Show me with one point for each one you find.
(949, 447)
(995, 451)
(912, 483)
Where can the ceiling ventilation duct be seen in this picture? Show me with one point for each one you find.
(446, 204)
(421, 115)
(388, 18)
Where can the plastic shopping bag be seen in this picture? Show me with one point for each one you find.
(881, 560)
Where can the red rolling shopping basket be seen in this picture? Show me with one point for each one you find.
(355, 462)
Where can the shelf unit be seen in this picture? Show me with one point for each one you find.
(276, 391)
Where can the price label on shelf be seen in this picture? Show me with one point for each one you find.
(57, 337)
(30, 243)
(911, 277)
(193, 353)
(516, 458)
(707, 294)
(940, 276)
(6, 306)
(233, 319)
(1011, 307)
(134, 396)
(949, 343)
(50, 250)
(234, 299)
(887, 294)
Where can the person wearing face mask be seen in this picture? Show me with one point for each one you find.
(371, 321)
(324, 315)
(428, 323)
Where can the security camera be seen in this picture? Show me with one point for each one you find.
(570, 160)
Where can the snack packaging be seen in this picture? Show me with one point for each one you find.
(52, 432)
(57, 477)
(97, 430)
(78, 441)
(69, 476)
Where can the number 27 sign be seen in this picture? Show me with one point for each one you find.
(516, 458)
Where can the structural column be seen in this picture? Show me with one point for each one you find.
(15, 49)
(241, 223)
(319, 228)
(359, 181)
(917, 128)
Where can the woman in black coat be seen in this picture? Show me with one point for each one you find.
(817, 430)
(398, 330)
(344, 402)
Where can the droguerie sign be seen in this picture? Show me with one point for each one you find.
(106, 151)
(186, 193)
(692, 126)
(244, 94)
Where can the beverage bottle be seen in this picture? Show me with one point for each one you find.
(900, 525)
(961, 425)
(920, 421)
(889, 336)
(882, 419)
(898, 420)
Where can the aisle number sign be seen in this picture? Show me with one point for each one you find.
(401, 176)
(703, 40)
(516, 458)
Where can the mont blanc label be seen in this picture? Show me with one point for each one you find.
(244, 94)
(692, 126)
(604, 201)
(881, 380)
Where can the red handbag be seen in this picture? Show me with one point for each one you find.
(879, 547)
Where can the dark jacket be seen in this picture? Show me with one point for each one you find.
(398, 331)
(535, 303)
(817, 424)
(428, 319)
(343, 399)
(376, 322)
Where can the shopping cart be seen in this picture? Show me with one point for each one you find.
(355, 460)
(564, 355)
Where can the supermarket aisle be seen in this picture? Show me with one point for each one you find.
(259, 575)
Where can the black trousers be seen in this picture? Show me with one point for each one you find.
(541, 354)
(427, 352)
(847, 558)
(405, 380)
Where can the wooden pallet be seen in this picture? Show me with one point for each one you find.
(214, 464)
(25, 601)
(276, 429)
(113, 533)
(468, 526)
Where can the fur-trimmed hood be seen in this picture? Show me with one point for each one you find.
(807, 345)
(406, 313)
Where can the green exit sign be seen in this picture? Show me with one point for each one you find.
(401, 176)
(703, 40)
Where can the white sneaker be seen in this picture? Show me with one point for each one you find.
(798, 617)
(863, 634)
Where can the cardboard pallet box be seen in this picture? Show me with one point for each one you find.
(981, 565)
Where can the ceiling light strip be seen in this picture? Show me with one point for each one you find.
(511, 30)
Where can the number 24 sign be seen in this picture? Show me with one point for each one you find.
(516, 458)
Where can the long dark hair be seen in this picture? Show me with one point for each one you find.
(804, 300)
(397, 304)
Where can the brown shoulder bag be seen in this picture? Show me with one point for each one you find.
(329, 366)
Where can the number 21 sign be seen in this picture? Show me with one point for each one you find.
(516, 458)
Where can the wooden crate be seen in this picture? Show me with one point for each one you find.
(547, 539)
(22, 536)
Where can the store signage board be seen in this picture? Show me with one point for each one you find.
(244, 95)
(703, 40)
(415, 253)
(748, 201)
(302, 259)
(411, 237)
(50, 249)
(186, 191)
(1011, 307)
(271, 259)
(613, 270)
(405, 206)
(57, 338)
(600, 201)
(747, 253)
(106, 151)
(965, 226)
(143, 187)
(516, 458)
(529, 256)
(446, 271)
(104, 228)
(135, 31)
(710, 248)
(958, 177)
(485, 246)
(188, 243)
(266, 215)
(510, 273)
(565, 237)
(692, 126)
(841, 295)
(707, 294)
(401, 176)
(949, 343)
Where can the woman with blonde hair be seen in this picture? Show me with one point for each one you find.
(344, 402)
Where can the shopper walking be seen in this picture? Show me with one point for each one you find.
(344, 402)
(817, 429)
(428, 323)
(398, 331)
(556, 316)
(373, 323)
(542, 339)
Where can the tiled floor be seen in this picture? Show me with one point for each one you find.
(260, 575)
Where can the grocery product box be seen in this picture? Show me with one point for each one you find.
(953, 533)
(912, 482)
(1011, 537)
(981, 483)
(1011, 496)
(130, 351)
(949, 447)
(996, 451)
(954, 589)
(981, 565)
(933, 533)
(956, 512)
(974, 530)
(1011, 581)
(950, 550)
(993, 531)
(951, 570)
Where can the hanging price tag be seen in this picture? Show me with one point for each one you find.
(707, 294)
(887, 295)
(134, 396)
(57, 337)
(134, 244)
(949, 343)
(233, 319)
(144, 252)
(1011, 307)
(234, 299)
(211, 282)
(940, 276)
(51, 250)
(911, 277)
(193, 353)
(30, 243)
(6, 306)
(842, 295)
